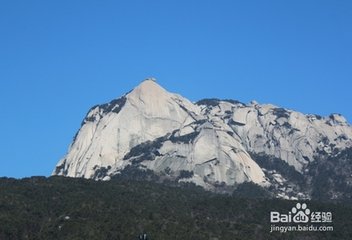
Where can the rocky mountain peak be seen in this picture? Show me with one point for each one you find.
(148, 90)
(211, 143)
(153, 101)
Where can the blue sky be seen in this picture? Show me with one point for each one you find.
(59, 58)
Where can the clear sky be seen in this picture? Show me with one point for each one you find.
(59, 58)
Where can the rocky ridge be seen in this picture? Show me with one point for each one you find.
(211, 143)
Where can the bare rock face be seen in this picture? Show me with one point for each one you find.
(210, 143)
(285, 134)
(157, 130)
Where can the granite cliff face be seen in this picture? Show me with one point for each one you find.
(210, 143)
(291, 136)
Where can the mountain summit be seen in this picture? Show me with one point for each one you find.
(211, 143)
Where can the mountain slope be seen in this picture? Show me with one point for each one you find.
(211, 143)
(110, 130)
(69, 208)
(291, 136)
(157, 130)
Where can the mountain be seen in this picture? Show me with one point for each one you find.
(213, 143)
(75, 208)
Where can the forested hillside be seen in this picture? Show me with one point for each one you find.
(67, 208)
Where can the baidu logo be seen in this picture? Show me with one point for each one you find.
(301, 218)
(300, 213)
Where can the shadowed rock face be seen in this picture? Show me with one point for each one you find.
(161, 131)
